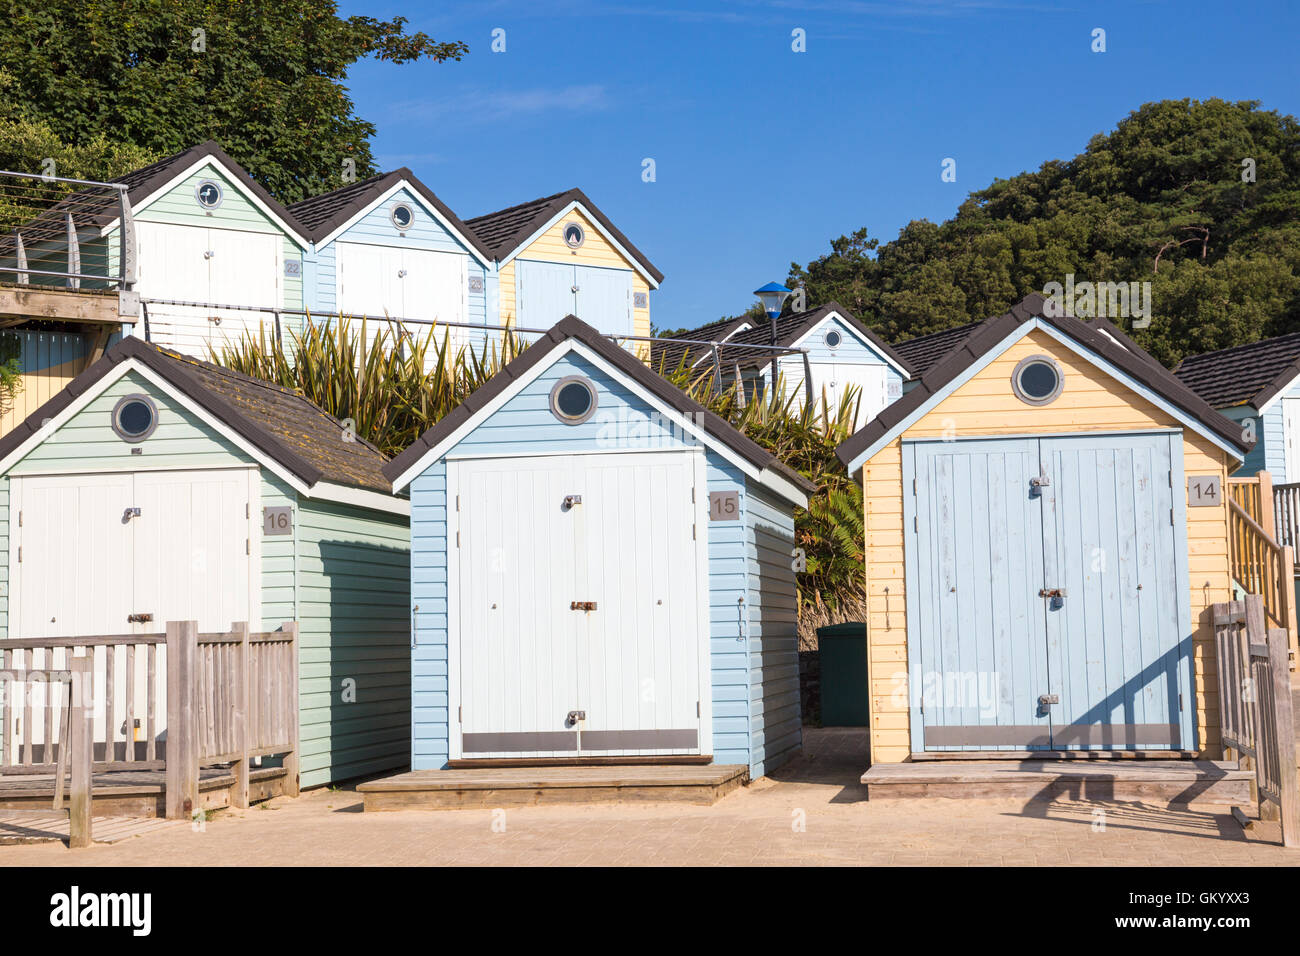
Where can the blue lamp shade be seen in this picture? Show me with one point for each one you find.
(773, 296)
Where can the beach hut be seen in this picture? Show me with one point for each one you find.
(156, 487)
(601, 570)
(1046, 529)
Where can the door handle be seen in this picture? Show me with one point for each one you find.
(582, 605)
(138, 618)
(1045, 700)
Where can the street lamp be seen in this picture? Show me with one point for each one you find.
(773, 296)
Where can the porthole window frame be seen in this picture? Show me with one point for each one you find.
(582, 234)
(1024, 396)
(198, 198)
(839, 339)
(559, 386)
(122, 403)
(392, 215)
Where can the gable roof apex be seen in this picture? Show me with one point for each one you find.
(1123, 354)
(281, 423)
(505, 230)
(571, 328)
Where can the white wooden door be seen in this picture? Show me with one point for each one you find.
(512, 543)
(244, 269)
(539, 677)
(71, 555)
(174, 264)
(191, 554)
(82, 562)
(545, 292)
(869, 381)
(604, 298)
(638, 653)
(435, 288)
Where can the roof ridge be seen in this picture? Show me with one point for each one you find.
(530, 202)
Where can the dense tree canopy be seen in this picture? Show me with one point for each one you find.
(1162, 198)
(265, 79)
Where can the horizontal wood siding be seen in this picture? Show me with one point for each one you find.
(87, 441)
(429, 690)
(354, 659)
(730, 664)
(621, 421)
(49, 361)
(773, 632)
(984, 406)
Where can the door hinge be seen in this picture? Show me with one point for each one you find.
(1171, 515)
(1180, 701)
(247, 548)
(248, 512)
(20, 519)
(692, 532)
(913, 487)
(922, 705)
(460, 715)
(20, 554)
(458, 502)
(915, 527)
(458, 539)
(697, 708)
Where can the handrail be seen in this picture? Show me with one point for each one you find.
(1262, 566)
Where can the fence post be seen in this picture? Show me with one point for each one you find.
(182, 745)
(1284, 734)
(1255, 632)
(292, 760)
(239, 798)
(81, 751)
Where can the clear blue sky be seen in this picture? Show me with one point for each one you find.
(763, 155)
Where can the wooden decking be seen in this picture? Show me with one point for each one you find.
(138, 793)
(530, 786)
(51, 826)
(1169, 782)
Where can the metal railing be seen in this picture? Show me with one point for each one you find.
(55, 232)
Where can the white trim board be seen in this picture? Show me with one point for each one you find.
(764, 476)
(234, 180)
(383, 198)
(1083, 352)
(595, 222)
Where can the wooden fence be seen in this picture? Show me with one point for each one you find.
(224, 698)
(1255, 711)
(66, 700)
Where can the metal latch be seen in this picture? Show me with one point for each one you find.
(575, 716)
(1042, 481)
(582, 605)
(129, 513)
(571, 500)
(144, 618)
(1051, 592)
(1045, 700)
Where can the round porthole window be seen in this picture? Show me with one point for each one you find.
(208, 194)
(573, 235)
(832, 338)
(1037, 380)
(402, 216)
(573, 399)
(135, 417)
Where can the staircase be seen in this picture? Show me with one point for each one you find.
(1260, 562)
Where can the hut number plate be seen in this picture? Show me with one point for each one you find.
(277, 520)
(724, 505)
(1203, 491)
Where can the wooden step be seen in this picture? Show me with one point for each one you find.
(1171, 782)
(492, 787)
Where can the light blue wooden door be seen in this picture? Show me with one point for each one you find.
(605, 298)
(977, 655)
(545, 293)
(1114, 541)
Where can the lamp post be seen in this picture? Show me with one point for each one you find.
(773, 296)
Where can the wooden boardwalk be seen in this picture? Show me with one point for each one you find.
(550, 785)
(136, 793)
(51, 826)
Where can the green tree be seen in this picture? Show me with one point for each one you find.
(1166, 197)
(265, 79)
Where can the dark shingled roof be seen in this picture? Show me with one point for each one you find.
(504, 230)
(1120, 352)
(288, 428)
(321, 215)
(789, 329)
(1245, 374)
(667, 353)
(96, 208)
(571, 327)
(924, 350)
